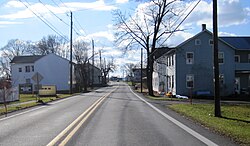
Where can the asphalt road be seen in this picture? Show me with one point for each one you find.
(123, 118)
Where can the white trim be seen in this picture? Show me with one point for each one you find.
(238, 56)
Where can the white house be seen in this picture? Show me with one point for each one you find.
(50, 69)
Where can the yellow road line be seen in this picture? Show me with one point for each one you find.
(84, 116)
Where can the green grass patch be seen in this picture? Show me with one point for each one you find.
(21, 104)
(130, 83)
(235, 122)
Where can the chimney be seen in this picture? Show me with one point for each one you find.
(204, 27)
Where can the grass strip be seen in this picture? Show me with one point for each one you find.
(27, 98)
(235, 122)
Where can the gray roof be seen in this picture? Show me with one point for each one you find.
(239, 43)
(26, 59)
(160, 51)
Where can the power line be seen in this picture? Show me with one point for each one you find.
(43, 20)
(53, 13)
(181, 22)
(75, 29)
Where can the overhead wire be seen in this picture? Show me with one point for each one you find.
(46, 22)
(53, 13)
(75, 28)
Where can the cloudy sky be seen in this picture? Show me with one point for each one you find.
(93, 19)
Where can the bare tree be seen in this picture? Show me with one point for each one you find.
(129, 68)
(52, 44)
(149, 28)
(80, 54)
(14, 47)
(106, 68)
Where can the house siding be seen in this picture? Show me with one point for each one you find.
(55, 71)
(202, 67)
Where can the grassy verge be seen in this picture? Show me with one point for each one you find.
(29, 100)
(235, 122)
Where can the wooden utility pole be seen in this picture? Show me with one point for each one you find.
(141, 66)
(217, 106)
(71, 63)
(93, 63)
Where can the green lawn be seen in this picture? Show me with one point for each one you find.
(30, 97)
(235, 122)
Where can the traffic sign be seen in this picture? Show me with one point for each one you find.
(37, 77)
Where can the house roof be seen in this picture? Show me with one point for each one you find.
(26, 59)
(239, 43)
(160, 51)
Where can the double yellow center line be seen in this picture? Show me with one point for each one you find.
(63, 138)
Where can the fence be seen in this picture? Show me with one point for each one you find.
(12, 94)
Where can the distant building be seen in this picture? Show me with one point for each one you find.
(90, 72)
(188, 68)
(137, 74)
(52, 70)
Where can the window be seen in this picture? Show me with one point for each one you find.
(190, 81)
(189, 58)
(237, 58)
(32, 68)
(197, 42)
(20, 69)
(27, 68)
(221, 57)
(248, 58)
(211, 42)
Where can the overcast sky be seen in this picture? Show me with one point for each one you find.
(93, 20)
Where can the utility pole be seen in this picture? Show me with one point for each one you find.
(93, 61)
(217, 106)
(141, 67)
(71, 63)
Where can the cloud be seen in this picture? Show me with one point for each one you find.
(37, 8)
(121, 1)
(102, 34)
(97, 5)
(14, 4)
(230, 12)
(9, 22)
(226, 34)
(43, 11)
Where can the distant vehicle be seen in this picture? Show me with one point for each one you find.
(118, 80)
(47, 90)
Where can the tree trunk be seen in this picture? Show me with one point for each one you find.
(150, 74)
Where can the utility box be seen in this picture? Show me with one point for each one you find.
(47, 90)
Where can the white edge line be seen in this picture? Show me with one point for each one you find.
(176, 122)
(52, 103)
(12, 116)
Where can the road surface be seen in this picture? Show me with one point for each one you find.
(109, 116)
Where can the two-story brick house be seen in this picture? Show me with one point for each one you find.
(189, 66)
